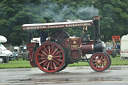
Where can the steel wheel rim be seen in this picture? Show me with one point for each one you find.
(50, 57)
(99, 62)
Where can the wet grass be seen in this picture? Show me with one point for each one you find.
(25, 64)
(114, 61)
(16, 64)
(118, 61)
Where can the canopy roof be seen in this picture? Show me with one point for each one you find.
(57, 25)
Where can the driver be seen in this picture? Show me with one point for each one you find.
(43, 36)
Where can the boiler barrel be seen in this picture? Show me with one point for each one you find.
(91, 48)
(87, 48)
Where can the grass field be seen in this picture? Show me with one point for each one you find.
(25, 64)
(115, 61)
(16, 64)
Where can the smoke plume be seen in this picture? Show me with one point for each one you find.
(57, 13)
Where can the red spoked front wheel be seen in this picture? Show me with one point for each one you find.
(99, 61)
(50, 57)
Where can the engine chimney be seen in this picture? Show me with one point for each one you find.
(97, 27)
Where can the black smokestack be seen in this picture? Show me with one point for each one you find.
(97, 27)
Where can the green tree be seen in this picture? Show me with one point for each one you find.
(114, 17)
(13, 14)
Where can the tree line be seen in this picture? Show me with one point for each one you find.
(15, 13)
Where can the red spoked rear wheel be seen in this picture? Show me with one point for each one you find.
(99, 62)
(50, 57)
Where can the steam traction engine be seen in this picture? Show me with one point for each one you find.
(60, 49)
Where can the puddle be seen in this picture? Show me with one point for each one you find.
(62, 80)
(37, 77)
(105, 79)
(118, 68)
(40, 81)
(71, 80)
(67, 80)
(115, 68)
(17, 80)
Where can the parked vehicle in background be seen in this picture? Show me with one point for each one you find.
(115, 49)
(5, 55)
(16, 53)
(124, 47)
